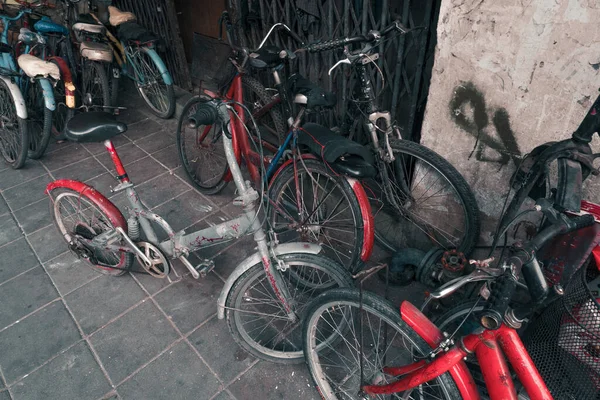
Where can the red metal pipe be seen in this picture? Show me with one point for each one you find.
(122, 174)
(494, 369)
(240, 136)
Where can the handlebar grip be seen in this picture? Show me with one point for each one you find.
(206, 114)
(501, 292)
(327, 45)
(583, 221)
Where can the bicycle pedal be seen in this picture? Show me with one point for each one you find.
(205, 267)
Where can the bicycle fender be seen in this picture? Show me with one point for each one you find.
(67, 78)
(254, 259)
(48, 92)
(160, 64)
(367, 218)
(17, 97)
(105, 205)
(432, 335)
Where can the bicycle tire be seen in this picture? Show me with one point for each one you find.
(114, 88)
(115, 265)
(14, 135)
(253, 89)
(270, 345)
(39, 119)
(320, 344)
(318, 180)
(167, 111)
(197, 145)
(63, 113)
(95, 89)
(406, 150)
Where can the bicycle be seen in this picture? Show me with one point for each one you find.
(418, 198)
(263, 298)
(34, 78)
(312, 200)
(560, 321)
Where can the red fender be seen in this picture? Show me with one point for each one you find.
(367, 217)
(432, 335)
(105, 205)
(67, 78)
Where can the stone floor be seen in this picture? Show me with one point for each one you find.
(67, 332)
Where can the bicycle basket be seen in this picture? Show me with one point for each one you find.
(564, 341)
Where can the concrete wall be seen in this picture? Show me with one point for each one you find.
(508, 76)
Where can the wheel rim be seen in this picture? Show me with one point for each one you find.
(75, 215)
(432, 215)
(325, 216)
(60, 115)
(265, 123)
(10, 134)
(93, 88)
(203, 152)
(260, 318)
(336, 365)
(151, 84)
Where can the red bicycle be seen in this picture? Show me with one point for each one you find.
(357, 345)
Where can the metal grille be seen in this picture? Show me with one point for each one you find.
(159, 16)
(404, 57)
(564, 342)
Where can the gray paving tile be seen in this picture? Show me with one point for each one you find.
(161, 189)
(176, 374)
(97, 148)
(68, 272)
(9, 230)
(16, 257)
(70, 155)
(128, 153)
(130, 116)
(81, 170)
(54, 146)
(72, 375)
(153, 285)
(144, 169)
(96, 303)
(142, 129)
(3, 206)
(24, 294)
(155, 142)
(11, 177)
(223, 396)
(27, 193)
(168, 156)
(141, 334)
(190, 302)
(103, 183)
(47, 243)
(34, 340)
(186, 209)
(210, 340)
(228, 259)
(4, 395)
(35, 216)
(284, 382)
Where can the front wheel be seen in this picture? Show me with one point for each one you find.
(84, 226)
(421, 201)
(39, 119)
(344, 335)
(14, 137)
(256, 317)
(152, 84)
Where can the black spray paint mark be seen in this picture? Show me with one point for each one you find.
(476, 123)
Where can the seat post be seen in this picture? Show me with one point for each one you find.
(122, 174)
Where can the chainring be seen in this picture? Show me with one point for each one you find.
(159, 266)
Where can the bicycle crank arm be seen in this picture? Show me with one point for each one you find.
(132, 245)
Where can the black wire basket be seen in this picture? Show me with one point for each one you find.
(564, 341)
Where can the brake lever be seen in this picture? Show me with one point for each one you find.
(480, 274)
(344, 61)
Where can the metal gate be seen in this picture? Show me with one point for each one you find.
(402, 76)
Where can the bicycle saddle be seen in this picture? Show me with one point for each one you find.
(46, 26)
(80, 27)
(134, 32)
(5, 48)
(35, 67)
(267, 56)
(96, 51)
(341, 154)
(306, 92)
(117, 17)
(94, 126)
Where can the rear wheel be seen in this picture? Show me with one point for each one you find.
(151, 85)
(39, 119)
(84, 226)
(271, 124)
(14, 139)
(344, 333)
(95, 91)
(201, 151)
(256, 317)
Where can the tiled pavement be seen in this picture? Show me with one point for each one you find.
(67, 332)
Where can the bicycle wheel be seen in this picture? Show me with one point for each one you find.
(80, 220)
(201, 151)
(39, 119)
(14, 138)
(272, 125)
(255, 316)
(94, 85)
(421, 201)
(329, 212)
(337, 326)
(150, 83)
(62, 114)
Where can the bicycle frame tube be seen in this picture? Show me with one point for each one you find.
(488, 346)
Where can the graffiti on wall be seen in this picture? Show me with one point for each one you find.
(469, 111)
